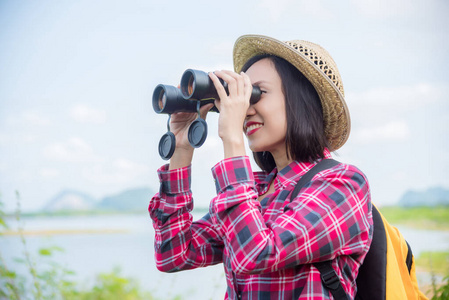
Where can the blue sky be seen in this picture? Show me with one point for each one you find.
(76, 80)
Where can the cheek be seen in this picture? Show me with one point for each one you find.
(281, 130)
(278, 124)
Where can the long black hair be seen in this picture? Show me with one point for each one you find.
(305, 139)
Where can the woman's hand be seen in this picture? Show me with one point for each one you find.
(233, 108)
(179, 126)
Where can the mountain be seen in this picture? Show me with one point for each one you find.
(70, 200)
(130, 200)
(435, 196)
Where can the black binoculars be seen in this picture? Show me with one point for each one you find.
(195, 85)
(196, 89)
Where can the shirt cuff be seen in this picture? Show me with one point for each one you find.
(232, 171)
(174, 181)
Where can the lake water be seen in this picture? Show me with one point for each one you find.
(129, 245)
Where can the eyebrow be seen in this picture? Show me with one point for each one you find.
(259, 82)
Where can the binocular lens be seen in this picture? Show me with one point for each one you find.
(191, 86)
(162, 100)
(188, 84)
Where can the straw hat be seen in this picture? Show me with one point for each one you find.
(317, 65)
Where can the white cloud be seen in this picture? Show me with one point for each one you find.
(28, 118)
(3, 139)
(73, 150)
(49, 173)
(383, 8)
(384, 106)
(85, 114)
(221, 49)
(278, 9)
(119, 171)
(412, 96)
(392, 131)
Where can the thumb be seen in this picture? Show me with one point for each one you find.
(205, 109)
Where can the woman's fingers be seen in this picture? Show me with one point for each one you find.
(236, 85)
(232, 79)
(248, 87)
(218, 86)
(205, 109)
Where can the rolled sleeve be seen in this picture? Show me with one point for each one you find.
(175, 181)
(232, 171)
(174, 197)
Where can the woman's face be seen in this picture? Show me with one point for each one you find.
(266, 122)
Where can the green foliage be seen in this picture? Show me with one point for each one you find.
(2, 215)
(418, 217)
(45, 279)
(111, 286)
(436, 262)
(442, 292)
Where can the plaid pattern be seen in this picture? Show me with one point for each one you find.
(266, 247)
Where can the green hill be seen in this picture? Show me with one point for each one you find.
(432, 197)
(130, 200)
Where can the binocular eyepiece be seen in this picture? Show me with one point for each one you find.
(195, 85)
(196, 89)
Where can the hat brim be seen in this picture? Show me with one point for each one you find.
(337, 122)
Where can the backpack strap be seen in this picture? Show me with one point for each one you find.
(331, 280)
(320, 166)
(409, 258)
(372, 277)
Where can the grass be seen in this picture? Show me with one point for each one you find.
(436, 262)
(435, 218)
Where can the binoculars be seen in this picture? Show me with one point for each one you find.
(196, 89)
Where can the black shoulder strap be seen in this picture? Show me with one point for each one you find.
(331, 280)
(321, 166)
(372, 277)
(409, 259)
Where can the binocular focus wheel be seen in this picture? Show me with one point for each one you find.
(167, 145)
(197, 133)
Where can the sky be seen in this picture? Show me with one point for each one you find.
(77, 77)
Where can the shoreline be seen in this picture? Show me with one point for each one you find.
(48, 232)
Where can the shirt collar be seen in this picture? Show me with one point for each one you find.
(289, 174)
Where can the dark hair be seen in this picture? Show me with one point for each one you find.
(305, 139)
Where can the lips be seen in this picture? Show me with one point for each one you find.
(252, 127)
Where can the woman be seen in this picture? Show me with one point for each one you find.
(268, 242)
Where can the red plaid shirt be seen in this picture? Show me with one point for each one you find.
(267, 247)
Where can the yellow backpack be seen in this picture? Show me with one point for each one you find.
(388, 271)
(401, 280)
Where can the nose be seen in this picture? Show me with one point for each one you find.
(250, 111)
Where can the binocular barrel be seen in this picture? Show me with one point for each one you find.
(197, 85)
(168, 99)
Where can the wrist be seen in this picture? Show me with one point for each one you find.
(234, 147)
(181, 158)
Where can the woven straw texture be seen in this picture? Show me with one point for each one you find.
(317, 65)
